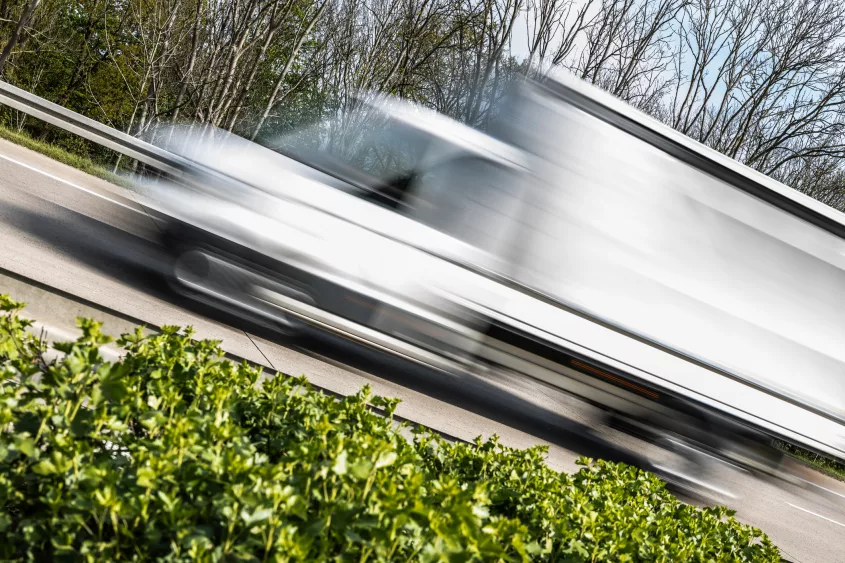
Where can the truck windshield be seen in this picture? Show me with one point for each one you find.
(376, 156)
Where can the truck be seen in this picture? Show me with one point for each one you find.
(578, 243)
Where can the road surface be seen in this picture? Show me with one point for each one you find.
(58, 228)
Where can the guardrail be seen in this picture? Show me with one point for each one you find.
(92, 130)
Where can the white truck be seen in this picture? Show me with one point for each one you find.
(581, 244)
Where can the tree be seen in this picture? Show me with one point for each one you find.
(15, 39)
(763, 82)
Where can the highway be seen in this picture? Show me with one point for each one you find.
(60, 230)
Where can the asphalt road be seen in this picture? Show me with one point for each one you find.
(59, 230)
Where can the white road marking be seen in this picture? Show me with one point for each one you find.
(69, 183)
(825, 489)
(818, 515)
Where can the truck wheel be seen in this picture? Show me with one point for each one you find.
(191, 266)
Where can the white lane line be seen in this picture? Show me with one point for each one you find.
(818, 515)
(69, 183)
(825, 489)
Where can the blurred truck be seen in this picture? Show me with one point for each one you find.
(578, 243)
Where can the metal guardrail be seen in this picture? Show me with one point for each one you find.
(92, 130)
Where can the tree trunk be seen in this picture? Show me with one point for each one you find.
(271, 101)
(183, 86)
(16, 35)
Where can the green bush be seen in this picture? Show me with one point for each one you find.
(174, 453)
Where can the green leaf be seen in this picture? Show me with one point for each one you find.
(339, 466)
(480, 511)
(82, 423)
(315, 528)
(28, 422)
(385, 459)
(112, 388)
(44, 467)
(533, 548)
(145, 477)
(26, 445)
(361, 469)
(259, 515)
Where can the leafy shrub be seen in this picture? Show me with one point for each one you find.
(174, 453)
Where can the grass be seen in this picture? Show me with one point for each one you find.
(79, 162)
(824, 465)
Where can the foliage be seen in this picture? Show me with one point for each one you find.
(176, 453)
(833, 468)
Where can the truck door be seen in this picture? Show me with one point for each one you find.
(472, 205)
